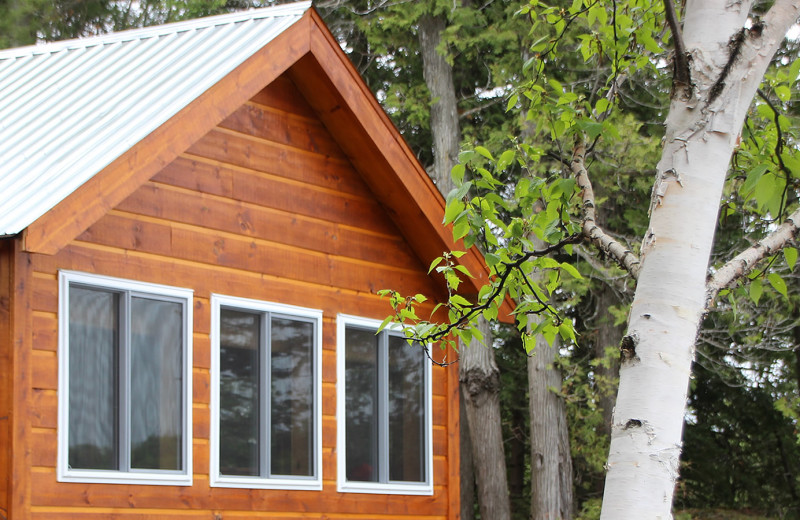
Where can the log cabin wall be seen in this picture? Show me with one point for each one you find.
(266, 207)
(6, 359)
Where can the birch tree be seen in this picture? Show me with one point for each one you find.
(719, 65)
(721, 51)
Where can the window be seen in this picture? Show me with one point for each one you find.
(383, 408)
(124, 381)
(266, 395)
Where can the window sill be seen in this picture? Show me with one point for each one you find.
(122, 477)
(312, 484)
(400, 488)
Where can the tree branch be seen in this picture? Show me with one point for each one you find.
(682, 76)
(738, 267)
(594, 233)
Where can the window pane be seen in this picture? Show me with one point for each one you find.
(406, 411)
(93, 361)
(292, 397)
(156, 384)
(361, 404)
(239, 389)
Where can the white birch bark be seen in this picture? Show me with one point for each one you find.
(671, 293)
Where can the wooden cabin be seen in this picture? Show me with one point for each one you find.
(194, 221)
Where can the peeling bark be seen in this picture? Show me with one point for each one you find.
(591, 229)
(671, 294)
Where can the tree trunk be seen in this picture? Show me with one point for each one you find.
(551, 461)
(480, 385)
(467, 468)
(444, 108)
(478, 373)
(606, 373)
(703, 126)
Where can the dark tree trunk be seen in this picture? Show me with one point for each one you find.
(478, 373)
(551, 461)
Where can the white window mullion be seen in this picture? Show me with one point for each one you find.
(383, 485)
(383, 408)
(119, 372)
(265, 404)
(124, 387)
(267, 312)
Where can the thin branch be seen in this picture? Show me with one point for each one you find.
(594, 233)
(738, 267)
(682, 76)
(468, 312)
(779, 142)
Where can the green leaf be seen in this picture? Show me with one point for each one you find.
(778, 284)
(756, 289)
(384, 323)
(512, 102)
(783, 92)
(752, 179)
(459, 300)
(566, 330)
(529, 342)
(454, 209)
(484, 152)
(591, 128)
(794, 71)
(790, 254)
(460, 228)
(555, 85)
(766, 188)
(436, 261)
(462, 269)
(549, 333)
(601, 106)
(506, 158)
(457, 173)
(571, 270)
(491, 259)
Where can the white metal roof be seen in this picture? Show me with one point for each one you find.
(68, 109)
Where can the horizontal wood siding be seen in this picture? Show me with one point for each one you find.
(6, 372)
(265, 206)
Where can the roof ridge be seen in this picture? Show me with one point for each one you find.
(290, 9)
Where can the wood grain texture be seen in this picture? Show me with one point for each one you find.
(277, 199)
(21, 349)
(219, 224)
(6, 375)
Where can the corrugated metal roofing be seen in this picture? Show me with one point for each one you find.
(68, 109)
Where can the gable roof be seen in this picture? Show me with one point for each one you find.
(68, 109)
(84, 123)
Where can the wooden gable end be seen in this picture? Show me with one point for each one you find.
(269, 192)
(265, 206)
(311, 57)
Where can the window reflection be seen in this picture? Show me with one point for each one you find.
(266, 417)
(385, 388)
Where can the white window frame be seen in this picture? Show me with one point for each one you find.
(389, 488)
(264, 482)
(149, 477)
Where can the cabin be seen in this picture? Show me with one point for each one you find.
(194, 222)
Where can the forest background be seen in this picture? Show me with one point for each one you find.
(463, 75)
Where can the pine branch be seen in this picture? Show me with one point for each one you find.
(738, 267)
(594, 233)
